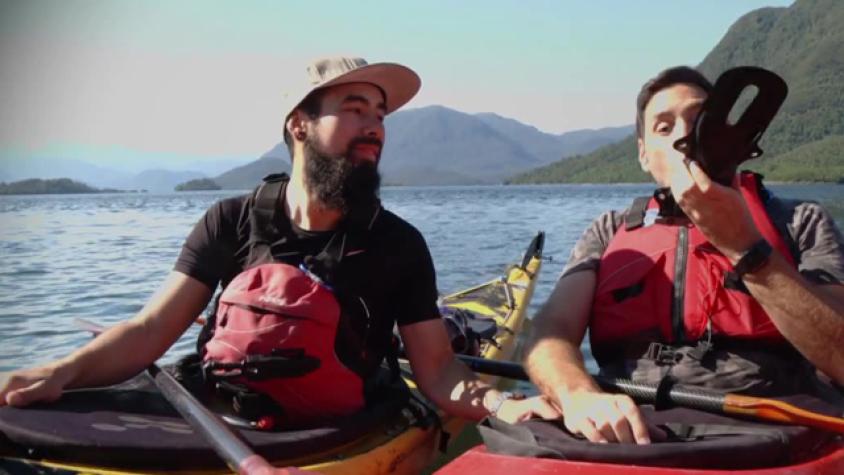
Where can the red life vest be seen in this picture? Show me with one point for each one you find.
(278, 311)
(276, 326)
(665, 282)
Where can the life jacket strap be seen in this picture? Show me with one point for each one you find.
(635, 216)
(662, 354)
(263, 229)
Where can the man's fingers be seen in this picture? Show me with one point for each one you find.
(22, 397)
(623, 426)
(620, 425)
(605, 427)
(544, 409)
(32, 393)
(681, 179)
(516, 411)
(638, 426)
(699, 176)
(588, 429)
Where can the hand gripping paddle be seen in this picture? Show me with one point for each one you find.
(718, 145)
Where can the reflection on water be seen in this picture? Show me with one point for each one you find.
(101, 256)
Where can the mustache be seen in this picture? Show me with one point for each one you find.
(366, 141)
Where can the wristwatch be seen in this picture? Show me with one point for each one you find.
(499, 401)
(754, 259)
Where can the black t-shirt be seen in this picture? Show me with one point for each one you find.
(392, 275)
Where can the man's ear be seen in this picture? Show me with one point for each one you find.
(643, 157)
(295, 125)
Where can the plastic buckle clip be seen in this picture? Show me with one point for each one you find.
(662, 354)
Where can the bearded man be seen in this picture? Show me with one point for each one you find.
(325, 219)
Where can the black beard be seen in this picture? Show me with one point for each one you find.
(339, 183)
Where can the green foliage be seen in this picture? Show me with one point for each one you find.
(36, 186)
(803, 43)
(610, 164)
(198, 184)
(822, 160)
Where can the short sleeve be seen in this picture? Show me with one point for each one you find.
(586, 253)
(819, 243)
(208, 252)
(416, 299)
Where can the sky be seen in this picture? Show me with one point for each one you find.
(117, 81)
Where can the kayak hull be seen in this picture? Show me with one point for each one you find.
(829, 461)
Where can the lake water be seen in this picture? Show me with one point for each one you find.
(101, 256)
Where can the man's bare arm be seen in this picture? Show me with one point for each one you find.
(118, 353)
(441, 377)
(452, 386)
(554, 360)
(555, 364)
(809, 316)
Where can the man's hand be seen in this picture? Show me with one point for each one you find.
(603, 418)
(718, 211)
(517, 410)
(42, 384)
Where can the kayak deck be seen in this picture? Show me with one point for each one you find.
(100, 429)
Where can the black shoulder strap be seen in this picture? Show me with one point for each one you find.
(635, 216)
(261, 229)
(262, 217)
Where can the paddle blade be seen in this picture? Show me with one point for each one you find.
(778, 411)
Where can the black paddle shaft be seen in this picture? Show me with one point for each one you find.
(664, 395)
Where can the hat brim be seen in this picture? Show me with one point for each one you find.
(398, 82)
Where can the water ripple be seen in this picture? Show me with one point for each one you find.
(102, 256)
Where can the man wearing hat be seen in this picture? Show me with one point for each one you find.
(377, 264)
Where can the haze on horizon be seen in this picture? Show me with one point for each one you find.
(119, 82)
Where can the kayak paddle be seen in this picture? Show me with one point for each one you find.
(228, 445)
(701, 399)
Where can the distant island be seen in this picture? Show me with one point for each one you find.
(55, 186)
(198, 184)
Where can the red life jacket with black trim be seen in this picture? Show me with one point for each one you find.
(276, 325)
(664, 282)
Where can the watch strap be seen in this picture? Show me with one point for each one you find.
(754, 259)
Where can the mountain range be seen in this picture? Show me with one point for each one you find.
(436, 145)
(432, 145)
(803, 43)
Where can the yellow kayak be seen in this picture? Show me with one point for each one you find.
(129, 428)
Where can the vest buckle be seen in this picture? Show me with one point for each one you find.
(663, 354)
